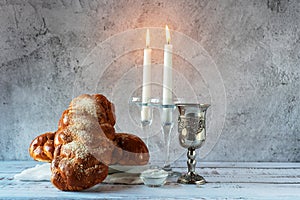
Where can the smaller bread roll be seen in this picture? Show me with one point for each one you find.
(134, 150)
(42, 147)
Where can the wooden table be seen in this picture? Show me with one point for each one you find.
(225, 181)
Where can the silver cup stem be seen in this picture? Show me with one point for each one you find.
(191, 162)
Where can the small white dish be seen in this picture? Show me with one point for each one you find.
(154, 177)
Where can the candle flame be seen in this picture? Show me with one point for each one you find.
(168, 36)
(148, 38)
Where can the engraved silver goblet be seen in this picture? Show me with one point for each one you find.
(192, 134)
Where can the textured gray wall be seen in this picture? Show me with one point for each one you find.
(254, 43)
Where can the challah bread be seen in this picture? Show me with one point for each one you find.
(134, 151)
(85, 144)
(82, 150)
(42, 147)
(73, 167)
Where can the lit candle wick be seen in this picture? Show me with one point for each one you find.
(168, 36)
(147, 38)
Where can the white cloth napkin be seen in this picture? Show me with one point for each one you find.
(41, 172)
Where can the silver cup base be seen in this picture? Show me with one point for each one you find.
(191, 178)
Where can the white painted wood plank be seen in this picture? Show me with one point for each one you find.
(267, 165)
(172, 191)
(218, 172)
(226, 181)
(12, 165)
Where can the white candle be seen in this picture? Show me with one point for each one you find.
(146, 91)
(167, 81)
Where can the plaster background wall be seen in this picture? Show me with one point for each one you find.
(255, 44)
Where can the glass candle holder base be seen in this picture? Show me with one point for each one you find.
(167, 168)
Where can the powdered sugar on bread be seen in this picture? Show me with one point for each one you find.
(84, 104)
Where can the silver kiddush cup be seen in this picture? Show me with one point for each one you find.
(192, 135)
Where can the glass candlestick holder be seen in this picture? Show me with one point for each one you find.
(167, 124)
(152, 175)
(146, 115)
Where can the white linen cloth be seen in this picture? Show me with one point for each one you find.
(42, 172)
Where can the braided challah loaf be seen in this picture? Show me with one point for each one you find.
(85, 144)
